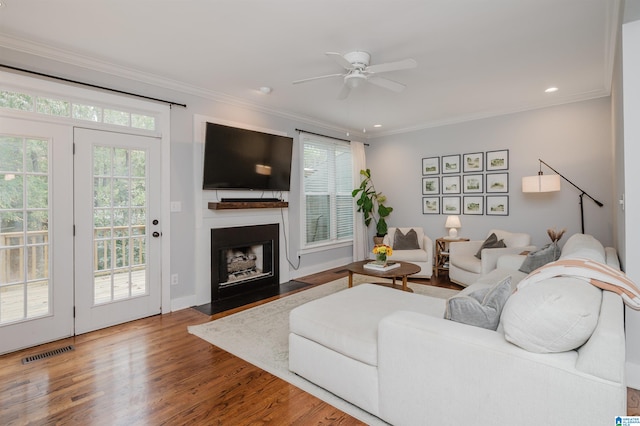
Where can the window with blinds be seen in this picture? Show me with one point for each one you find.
(328, 213)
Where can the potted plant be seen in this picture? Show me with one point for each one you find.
(371, 204)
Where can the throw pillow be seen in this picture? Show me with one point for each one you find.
(491, 242)
(408, 241)
(554, 315)
(481, 308)
(538, 258)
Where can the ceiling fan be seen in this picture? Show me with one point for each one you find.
(359, 71)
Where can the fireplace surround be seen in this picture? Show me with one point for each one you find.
(244, 260)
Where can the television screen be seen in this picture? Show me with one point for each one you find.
(237, 158)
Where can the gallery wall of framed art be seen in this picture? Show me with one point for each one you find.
(476, 183)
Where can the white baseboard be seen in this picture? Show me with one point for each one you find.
(319, 268)
(183, 303)
(189, 301)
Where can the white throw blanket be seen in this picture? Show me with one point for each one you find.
(596, 273)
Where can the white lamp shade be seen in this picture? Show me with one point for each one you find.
(453, 222)
(541, 183)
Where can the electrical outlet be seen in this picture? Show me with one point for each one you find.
(174, 279)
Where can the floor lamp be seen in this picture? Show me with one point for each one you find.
(551, 183)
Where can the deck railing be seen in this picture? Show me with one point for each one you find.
(36, 249)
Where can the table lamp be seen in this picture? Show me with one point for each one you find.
(453, 223)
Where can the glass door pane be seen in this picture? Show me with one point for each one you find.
(120, 216)
(25, 287)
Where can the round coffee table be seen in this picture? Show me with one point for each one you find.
(403, 271)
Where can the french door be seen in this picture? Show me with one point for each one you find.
(54, 284)
(36, 233)
(118, 230)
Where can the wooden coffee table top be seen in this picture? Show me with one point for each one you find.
(402, 271)
(405, 269)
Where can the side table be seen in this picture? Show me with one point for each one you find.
(441, 263)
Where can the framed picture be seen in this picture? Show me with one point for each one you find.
(451, 184)
(473, 162)
(473, 205)
(451, 163)
(498, 205)
(498, 160)
(497, 182)
(430, 205)
(431, 166)
(472, 184)
(450, 205)
(430, 186)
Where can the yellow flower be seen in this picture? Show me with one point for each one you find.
(382, 249)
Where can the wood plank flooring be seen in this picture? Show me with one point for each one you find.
(152, 372)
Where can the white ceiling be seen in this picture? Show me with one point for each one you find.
(476, 58)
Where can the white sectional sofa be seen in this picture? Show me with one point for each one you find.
(393, 354)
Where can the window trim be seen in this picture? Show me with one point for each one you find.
(306, 248)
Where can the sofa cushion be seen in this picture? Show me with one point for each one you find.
(491, 242)
(555, 315)
(408, 241)
(482, 307)
(468, 263)
(583, 246)
(389, 239)
(330, 320)
(418, 255)
(538, 258)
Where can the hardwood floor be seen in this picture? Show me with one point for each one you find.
(152, 371)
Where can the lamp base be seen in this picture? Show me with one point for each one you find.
(453, 233)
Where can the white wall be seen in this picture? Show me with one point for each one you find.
(575, 139)
(631, 87)
(184, 247)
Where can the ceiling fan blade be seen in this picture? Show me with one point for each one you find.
(386, 83)
(340, 59)
(304, 80)
(344, 92)
(405, 64)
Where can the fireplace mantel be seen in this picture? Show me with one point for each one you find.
(228, 205)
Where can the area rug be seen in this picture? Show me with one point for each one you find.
(260, 335)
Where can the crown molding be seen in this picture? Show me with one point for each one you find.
(92, 64)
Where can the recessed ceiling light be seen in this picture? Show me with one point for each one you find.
(377, 125)
(551, 90)
(266, 90)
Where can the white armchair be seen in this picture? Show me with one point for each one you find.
(422, 256)
(465, 268)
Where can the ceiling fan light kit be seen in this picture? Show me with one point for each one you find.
(359, 71)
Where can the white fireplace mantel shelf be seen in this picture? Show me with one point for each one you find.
(228, 205)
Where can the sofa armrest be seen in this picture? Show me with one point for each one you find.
(427, 244)
(464, 248)
(490, 256)
(611, 257)
(435, 371)
(512, 262)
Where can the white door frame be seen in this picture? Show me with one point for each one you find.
(162, 112)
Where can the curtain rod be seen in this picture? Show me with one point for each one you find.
(171, 103)
(325, 136)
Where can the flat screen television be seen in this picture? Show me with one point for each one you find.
(237, 158)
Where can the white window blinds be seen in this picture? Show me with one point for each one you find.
(327, 190)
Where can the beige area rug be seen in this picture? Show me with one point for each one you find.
(260, 335)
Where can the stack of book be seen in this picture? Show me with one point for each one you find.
(378, 266)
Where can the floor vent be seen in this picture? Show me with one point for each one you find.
(47, 354)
